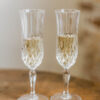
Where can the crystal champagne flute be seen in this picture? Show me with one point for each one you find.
(32, 22)
(66, 47)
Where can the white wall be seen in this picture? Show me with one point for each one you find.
(10, 32)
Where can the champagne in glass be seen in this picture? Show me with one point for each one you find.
(67, 50)
(32, 52)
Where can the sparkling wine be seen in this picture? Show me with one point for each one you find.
(67, 50)
(32, 52)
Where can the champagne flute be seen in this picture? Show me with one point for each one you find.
(32, 21)
(67, 47)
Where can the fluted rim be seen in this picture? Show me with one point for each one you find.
(33, 10)
(67, 11)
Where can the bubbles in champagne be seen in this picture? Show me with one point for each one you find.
(32, 52)
(67, 50)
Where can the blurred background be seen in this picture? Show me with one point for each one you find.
(88, 62)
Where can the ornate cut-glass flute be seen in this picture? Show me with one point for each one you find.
(66, 47)
(32, 21)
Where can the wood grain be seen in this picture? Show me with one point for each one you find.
(14, 83)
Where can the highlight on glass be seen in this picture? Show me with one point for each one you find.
(66, 47)
(32, 52)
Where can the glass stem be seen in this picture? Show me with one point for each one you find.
(32, 76)
(66, 77)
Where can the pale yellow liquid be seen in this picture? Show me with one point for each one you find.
(67, 50)
(32, 52)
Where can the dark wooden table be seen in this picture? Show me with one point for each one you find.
(16, 83)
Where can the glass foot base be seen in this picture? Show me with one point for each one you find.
(31, 97)
(59, 96)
